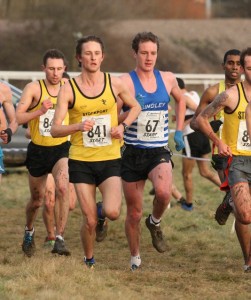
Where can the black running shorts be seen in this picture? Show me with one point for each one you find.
(196, 145)
(137, 163)
(219, 162)
(40, 160)
(93, 172)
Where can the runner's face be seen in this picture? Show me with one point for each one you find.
(54, 70)
(232, 68)
(91, 56)
(146, 56)
(247, 69)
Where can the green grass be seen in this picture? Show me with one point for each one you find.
(204, 260)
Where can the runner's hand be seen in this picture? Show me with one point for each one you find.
(47, 104)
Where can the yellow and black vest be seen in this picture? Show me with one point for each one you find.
(234, 132)
(40, 127)
(97, 144)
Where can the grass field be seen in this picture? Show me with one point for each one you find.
(204, 260)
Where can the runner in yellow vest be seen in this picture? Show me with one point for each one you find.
(231, 67)
(235, 144)
(45, 154)
(94, 158)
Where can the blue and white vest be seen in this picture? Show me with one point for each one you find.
(150, 129)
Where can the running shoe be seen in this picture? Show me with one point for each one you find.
(157, 236)
(28, 245)
(186, 207)
(224, 210)
(247, 269)
(181, 200)
(134, 268)
(59, 248)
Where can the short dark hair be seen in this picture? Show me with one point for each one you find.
(181, 83)
(86, 39)
(244, 53)
(231, 52)
(142, 37)
(54, 53)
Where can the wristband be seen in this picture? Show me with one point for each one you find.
(125, 126)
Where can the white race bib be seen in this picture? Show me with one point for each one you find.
(99, 135)
(243, 141)
(151, 125)
(45, 122)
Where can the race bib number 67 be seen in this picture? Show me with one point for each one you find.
(151, 125)
(99, 135)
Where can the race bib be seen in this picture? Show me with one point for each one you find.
(99, 135)
(243, 141)
(45, 122)
(151, 126)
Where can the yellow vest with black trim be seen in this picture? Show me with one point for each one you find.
(234, 132)
(40, 126)
(96, 144)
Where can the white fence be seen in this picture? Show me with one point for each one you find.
(190, 79)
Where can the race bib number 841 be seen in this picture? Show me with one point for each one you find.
(99, 135)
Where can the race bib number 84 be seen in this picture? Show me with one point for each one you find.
(45, 122)
(243, 142)
(99, 135)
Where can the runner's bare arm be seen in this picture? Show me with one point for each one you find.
(213, 108)
(9, 108)
(206, 98)
(58, 129)
(125, 95)
(30, 93)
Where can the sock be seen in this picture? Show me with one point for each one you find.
(30, 231)
(59, 237)
(189, 204)
(50, 239)
(136, 260)
(100, 216)
(154, 221)
(89, 260)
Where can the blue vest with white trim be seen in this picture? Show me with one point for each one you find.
(150, 129)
